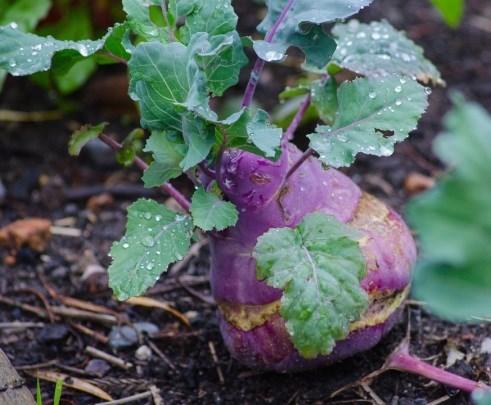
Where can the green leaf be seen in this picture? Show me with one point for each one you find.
(84, 135)
(58, 391)
(25, 14)
(210, 212)
(132, 145)
(373, 115)
(325, 99)
(452, 11)
(302, 28)
(138, 12)
(453, 221)
(221, 59)
(377, 50)
(166, 82)
(168, 151)
(215, 17)
(24, 54)
(252, 132)
(481, 397)
(39, 395)
(199, 137)
(319, 266)
(155, 237)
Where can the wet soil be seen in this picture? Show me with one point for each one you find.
(42, 181)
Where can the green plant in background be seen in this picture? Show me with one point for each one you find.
(452, 11)
(453, 221)
(56, 395)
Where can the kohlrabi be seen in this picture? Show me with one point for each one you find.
(307, 269)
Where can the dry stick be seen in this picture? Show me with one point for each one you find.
(166, 187)
(259, 65)
(127, 400)
(161, 354)
(26, 307)
(215, 360)
(84, 315)
(89, 332)
(29, 116)
(20, 325)
(115, 361)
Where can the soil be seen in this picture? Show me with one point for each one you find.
(42, 181)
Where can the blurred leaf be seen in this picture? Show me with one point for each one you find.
(373, 115)
(199, 137)
(24, 54)
(58, 390)
(138, 12)
(452, 11)
(132, 145)
(453, 221)
(168, 151)
(481, 398)
(210, 212)
(319, 266)
(155, 237)
(84, 135)
(378, 50)
(302, 28)
(25, 14)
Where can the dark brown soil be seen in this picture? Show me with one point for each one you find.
(42, 181)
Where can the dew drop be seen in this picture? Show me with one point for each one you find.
(398, 103)
(372, 95)
(147, 215)
(126, 245)
(398, 89)
(148, 241)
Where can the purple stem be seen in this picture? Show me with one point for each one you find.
(166, 187)
(307, 154)
(403, 361)
(259, 65)
(290, 132)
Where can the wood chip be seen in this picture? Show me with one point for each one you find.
(127, 400)
(71, 382)
(416, 183)
(32, 232)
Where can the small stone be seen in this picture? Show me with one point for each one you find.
(53, 333)
(122, 336)
(98, 367)
(143, 353)
(486, 346)
(146, 327)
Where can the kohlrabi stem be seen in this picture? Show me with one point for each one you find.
(403, 361)
(290, 132)
(307, 154)
(166, 187)
(259, 65)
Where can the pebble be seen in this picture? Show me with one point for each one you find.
(122, 336)
(146, 327)
(486, 346)
(98, 367)
(53, 333)
(143, 353)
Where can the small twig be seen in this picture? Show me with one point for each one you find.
(41, 298)
(152, 303)
(372, 394)
(157, 399)
(26, 307)
(20, 325)
(29, 116)
(63, 231)
(259, 65)
(84, 315)
(440, 400)
(115, 361)
(172, 285)
(159, 353)
(205, 298)
(127, 400)
(44, 364)
(215, 360)
(166, 187)
(89, 332)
